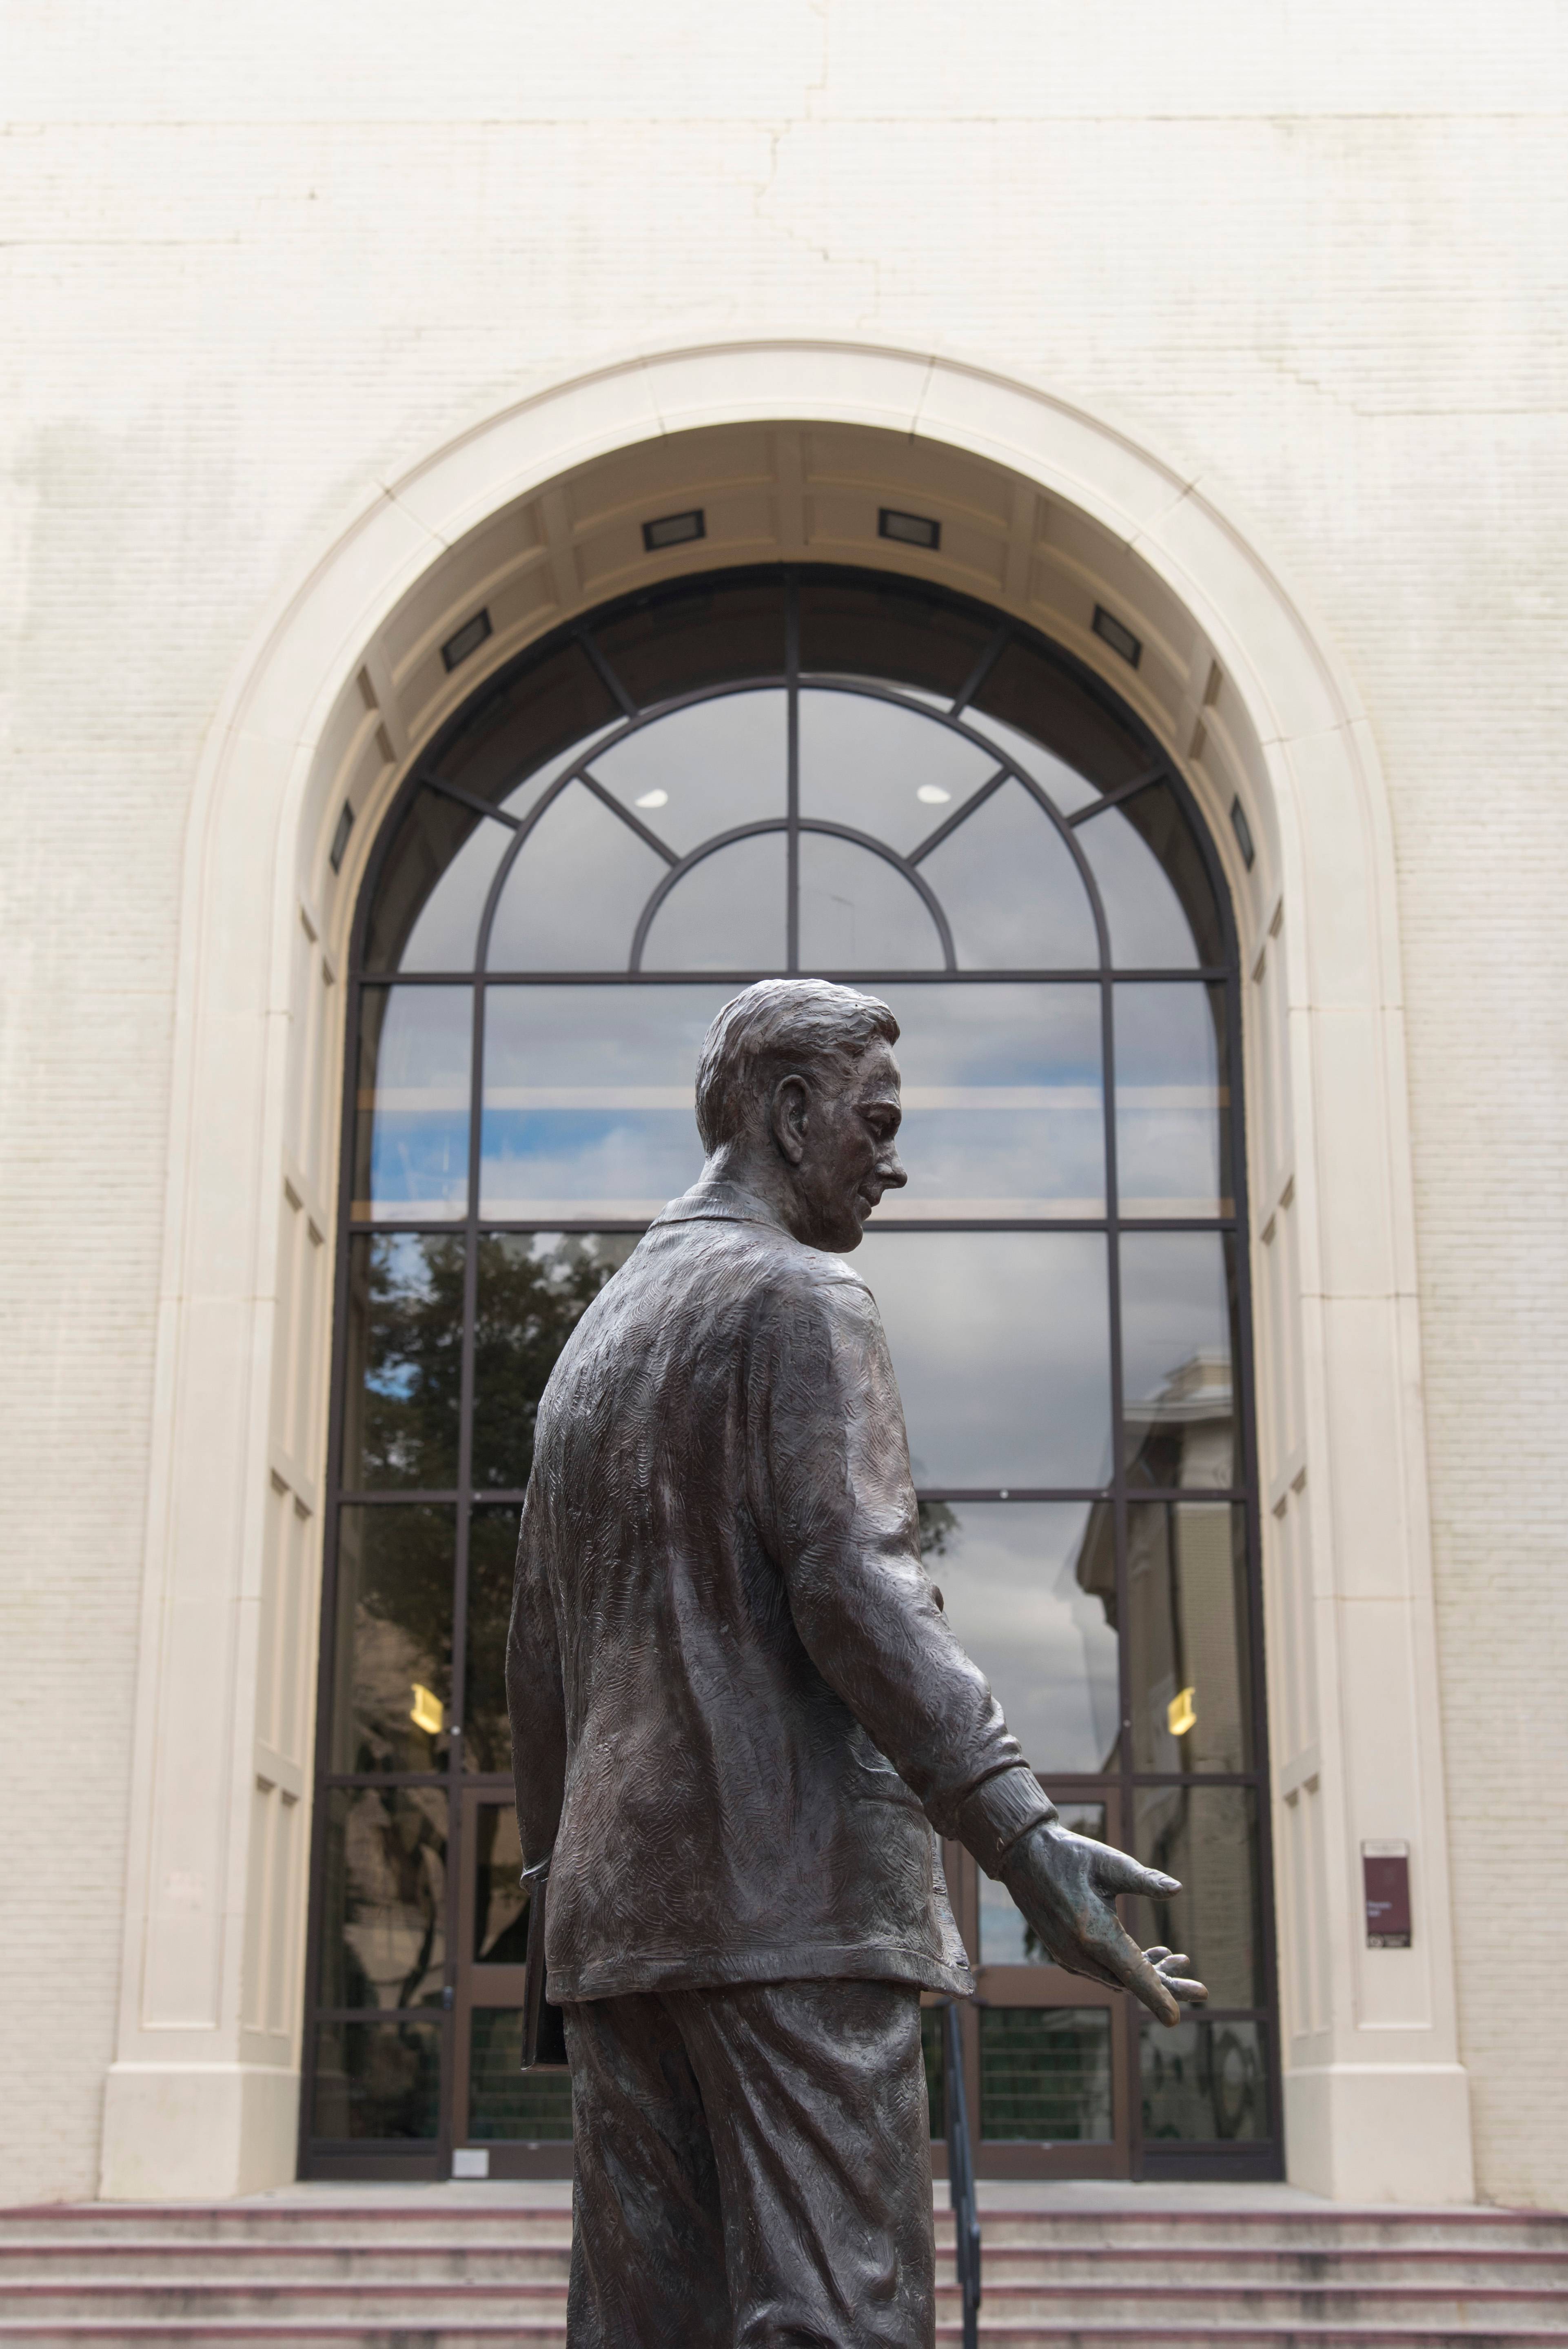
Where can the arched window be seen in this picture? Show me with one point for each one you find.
(831, 772)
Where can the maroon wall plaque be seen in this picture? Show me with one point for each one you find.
(1386, 1881)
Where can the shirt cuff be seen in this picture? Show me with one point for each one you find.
(1000, 1812)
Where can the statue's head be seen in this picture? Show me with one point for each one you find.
(798, 1097)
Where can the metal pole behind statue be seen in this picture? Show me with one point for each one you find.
(961, 2175)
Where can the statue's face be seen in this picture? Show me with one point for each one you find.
(847, 1130)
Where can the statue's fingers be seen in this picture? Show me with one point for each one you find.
(1118, 1871)
(1168, 1964)
(1135, 1973)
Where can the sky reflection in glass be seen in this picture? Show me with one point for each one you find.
(727, 914)
(411, 1123)
(1003, 1105)
(1011, 894)
(1008, 1573)
(1173, 1099)
(571, 900)
(1001, 1345)
(702, 770)
(1177, 1342)
(865, 763)
(859, 913)
(588, 1099)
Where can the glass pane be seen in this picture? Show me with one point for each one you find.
(1159, 903)
(1011, 891)
(1006, 1936)
(1172, 1101)
(727, 914)
(705, 768)
(500, 1904)
(433, 887)
(852, 627)
(573, 898)
(1188, 1642)
(525, 725)
(403, 1381)
(1205, 2081)
(377, 2080)
(393, 1652)
(859, 913)
(1003, 1107)
(492, 1557)
(1207, 1836)
(1179, 1344)
(530, 2108)
(711, 632)
(881, 769)
(1027, 689)
(589, 1096)
(411, 1122)
(1045, 2075)
(1063, 785)
(384, 1896)
(1000, 1343)
(1010, 1573)
(931, 2048)
(534, 1289)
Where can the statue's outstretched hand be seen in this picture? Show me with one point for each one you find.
(1067, 1886)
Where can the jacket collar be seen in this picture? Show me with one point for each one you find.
(724, 1202)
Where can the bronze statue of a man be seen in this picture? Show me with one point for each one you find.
(738, 1714)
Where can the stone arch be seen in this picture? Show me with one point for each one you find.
(789, 449)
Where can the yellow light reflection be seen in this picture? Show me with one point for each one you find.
(427, 1711)
(1181, 1714)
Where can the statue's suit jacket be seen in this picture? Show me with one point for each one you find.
(737, 1708)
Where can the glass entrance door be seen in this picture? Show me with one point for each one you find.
(1048, 2059)
(521, 2123)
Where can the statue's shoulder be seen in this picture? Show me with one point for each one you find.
(811, 1285)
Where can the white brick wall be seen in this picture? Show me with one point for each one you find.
(256, 261)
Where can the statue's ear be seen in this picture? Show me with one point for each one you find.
(789, 1114)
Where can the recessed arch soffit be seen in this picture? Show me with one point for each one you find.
(784, 493)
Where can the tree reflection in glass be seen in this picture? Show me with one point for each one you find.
(492, 1556)
(392, 1656)
(403, 1396)
(385, 1896)
(534, 1289)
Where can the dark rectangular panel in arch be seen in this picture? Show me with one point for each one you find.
(478, 1490)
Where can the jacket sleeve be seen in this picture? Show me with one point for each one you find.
(535, 1696)
(835, 1503)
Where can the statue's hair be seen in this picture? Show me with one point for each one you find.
(781, 1027)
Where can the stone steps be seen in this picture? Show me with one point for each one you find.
(391, 2275)
(25, 2264)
